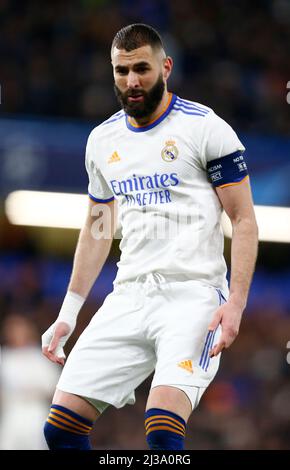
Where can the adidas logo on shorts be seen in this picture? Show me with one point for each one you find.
(187, 365)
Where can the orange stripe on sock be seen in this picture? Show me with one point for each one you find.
(70, 425)
(166, 421)
(61, 413)
(152, 418)
(65, 428)
(163, 428)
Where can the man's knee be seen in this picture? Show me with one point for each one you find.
(180, 399)
(193, 394)
(65, 429)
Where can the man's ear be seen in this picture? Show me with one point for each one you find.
(167, 67)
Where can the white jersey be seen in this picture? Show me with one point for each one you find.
(168, 209)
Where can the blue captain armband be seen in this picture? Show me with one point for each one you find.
(228, 170)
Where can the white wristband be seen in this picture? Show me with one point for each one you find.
(68, 313)
(70, 308)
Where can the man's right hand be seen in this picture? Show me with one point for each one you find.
(53, 341)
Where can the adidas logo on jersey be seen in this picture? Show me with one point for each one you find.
(187, 365)
(114, 158)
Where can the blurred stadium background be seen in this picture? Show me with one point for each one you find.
(56, 85)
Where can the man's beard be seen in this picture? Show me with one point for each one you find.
(152, 99)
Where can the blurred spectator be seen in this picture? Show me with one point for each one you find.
(27, 383)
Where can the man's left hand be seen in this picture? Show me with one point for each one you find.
(229, 315)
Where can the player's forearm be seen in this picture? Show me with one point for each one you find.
(90, 256)
(243, 258)
(93, 247)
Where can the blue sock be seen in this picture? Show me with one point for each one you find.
(164, 430)
(65, 429)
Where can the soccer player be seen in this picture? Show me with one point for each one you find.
(170, 166)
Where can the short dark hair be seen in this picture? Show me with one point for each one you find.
(137, 35)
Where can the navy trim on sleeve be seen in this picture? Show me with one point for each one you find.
(101, 200)
(229, 169)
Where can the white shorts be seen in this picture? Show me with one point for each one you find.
(154, 324)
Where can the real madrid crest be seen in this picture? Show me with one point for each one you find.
(169, 153)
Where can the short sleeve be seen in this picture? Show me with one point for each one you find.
(98, 189)
(219, 139)
(222, 153)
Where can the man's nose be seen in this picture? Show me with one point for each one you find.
(133, 80)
